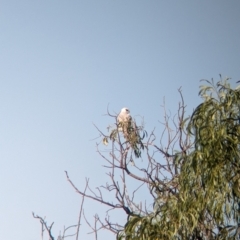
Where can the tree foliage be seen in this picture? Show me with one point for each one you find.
(192, 175)
(202, 196)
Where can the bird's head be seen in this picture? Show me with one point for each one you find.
(125, 110)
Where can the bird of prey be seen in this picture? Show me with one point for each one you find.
(124, 116)
(128, 127)
(124, 122)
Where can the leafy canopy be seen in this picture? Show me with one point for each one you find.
(200, 200)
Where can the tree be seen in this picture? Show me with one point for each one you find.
(192, 175)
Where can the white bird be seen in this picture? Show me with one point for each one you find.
(124, 116)
(127, 126)
(124, 121)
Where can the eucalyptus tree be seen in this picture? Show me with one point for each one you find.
(200, 199)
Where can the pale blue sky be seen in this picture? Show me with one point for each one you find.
(63, 62)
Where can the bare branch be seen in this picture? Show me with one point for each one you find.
(89, 196)
(44, 224)
(81, 209)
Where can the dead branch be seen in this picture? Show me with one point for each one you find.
(44, 226)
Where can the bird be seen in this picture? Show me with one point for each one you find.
(124, 115)
(124, 121)
(128, 127)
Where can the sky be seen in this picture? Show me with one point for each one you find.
(63, 64)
